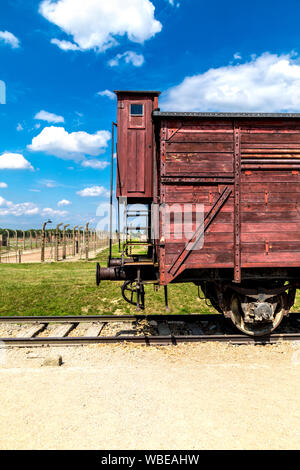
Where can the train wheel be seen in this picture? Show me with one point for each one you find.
(256, 318)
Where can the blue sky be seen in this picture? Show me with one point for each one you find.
(57, 56)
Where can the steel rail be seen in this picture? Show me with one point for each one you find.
(150, 340)
(230, 337)
(120, 318)
(110, 318)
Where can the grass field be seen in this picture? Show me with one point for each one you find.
(70, 289)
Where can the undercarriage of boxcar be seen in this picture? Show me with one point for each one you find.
(212, 199)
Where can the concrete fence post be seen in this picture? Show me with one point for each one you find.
(16, 235)
(79, 240)
(24, 240)
(43, 242)
(86, 241)
(8, 240)
(64, 255)
(74, 240)
(57, 240)
(30, 235)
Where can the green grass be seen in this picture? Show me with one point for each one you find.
(70, 289)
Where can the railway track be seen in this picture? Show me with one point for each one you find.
(138, 329)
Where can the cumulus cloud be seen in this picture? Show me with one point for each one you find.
(9, 39)
(93, 191)
(24, 208)
(14, 161)
(97, 24)
(69, 146)
(20, 127)
(65, 45)
(3, 185)
(95, 164)
(109, 94)
(48, 212)
(268, 83)
(129, 57)
(64, 202)
(27, 208)
(49, 117)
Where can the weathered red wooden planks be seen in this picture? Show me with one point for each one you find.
(267, 191)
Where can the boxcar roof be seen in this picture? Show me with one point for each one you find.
(162, 114)
(137, 92)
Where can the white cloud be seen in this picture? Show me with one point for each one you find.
(130, 57)
(53, 213)
(58, 142)
(14, 161)
(109, 94)
(49, 117)
(27, 208)
(10, 39)
(20, 127)
(237, 56)
(173, 3)
(3, 185)
(95, 164)
(96, 24)
(24, 208)
(64, 202)
(93, 191)
(65, 45)
(269, 83)
(49, 183)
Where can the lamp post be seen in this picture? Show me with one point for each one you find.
(64, 241)
(43, 240)
(56, 240)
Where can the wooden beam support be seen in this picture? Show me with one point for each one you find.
(237, 203)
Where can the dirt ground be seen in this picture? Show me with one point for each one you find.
(205, 396)
(34, 256)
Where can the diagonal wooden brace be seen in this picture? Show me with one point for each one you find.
(199, 233)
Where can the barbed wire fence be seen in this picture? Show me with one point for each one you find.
(60, 244)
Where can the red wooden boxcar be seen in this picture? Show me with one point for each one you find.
(235, 178)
